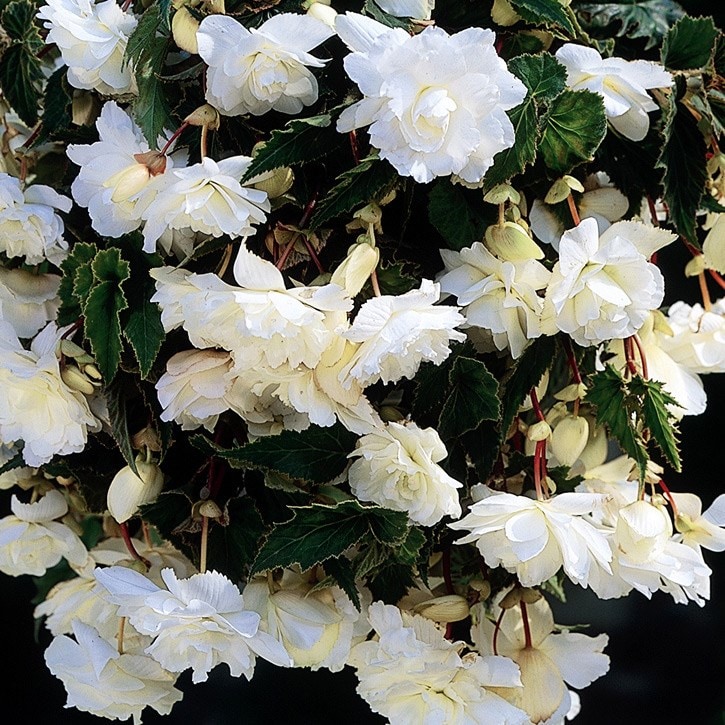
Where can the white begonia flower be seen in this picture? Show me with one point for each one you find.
(111, 180)
(417, 9)
(436, 103)
(603, 287)
(713, 248)
(198, 386)
(600, 201)
(621, 83)
(32, 541)
(129, 490)
(614, 480)
(92, 39)
(648, 559)
(28, 301)
(206, 197)
(29, 224)
(398, 333)
(105, 683)
(411, 674)
(534, 539)
(256, 70)
(24, 478)
(396, 467)
(679, 381)
(317, 628)
(496, 296)
(548, 661)
(196, 623)
(697, 529)
(36, 406)
(698, 336)
(82, 598)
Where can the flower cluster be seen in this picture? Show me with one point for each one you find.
(340, 339)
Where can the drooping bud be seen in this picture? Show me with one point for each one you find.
(448, 608)
(511, 243)
(356, 268)
(323, 12)
(501, 193)
(695, 266)
(539, 431)
(571, 392)
(210, 509)
(561, 188)
(205, 115)
(568, 439)
(276, 183)
(129, 181)
(76, 380)
(183, 28)
(128, 491)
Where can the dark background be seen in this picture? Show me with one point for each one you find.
(668, 660)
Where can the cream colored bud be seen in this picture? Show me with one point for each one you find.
(92, 372)
(501, 193)
(529, 596)
(84, 108)
(323, 12)
(571, 392)
(695, 266)
(276, 183)
(511, 243)
(76, 380)
(569, 438)
(448, 608)
(210, 510)
(128, 491)
(183, 29)
(128, 182)
(356, 268)
(539, 431)
(511, 599)
(502, 13)
(561, 188)
(205, 115)
(146, 438)
(550, 484)
(370, 214)
(482, 586)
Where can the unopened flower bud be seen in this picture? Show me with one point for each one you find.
(482, 586)
(529, 596)
(205, 115)
(84, 108)
(183, 28)
(276, 183)
(370, 214)
(695, 266)
(92, 372)
(356, 268)
(76, 380)
(323, 12)
(210, 510)
(568, 439)
(501, 193)
(511, 599)
(391, 413)
(448, 608)
(571, 392)
(539, 431)
(561, 188)
(146, 438)
(511, 243)
(128, 491)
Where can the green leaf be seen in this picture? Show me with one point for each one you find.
(473, 398)
(683, 157)
(544, 78)
(530, 368)
(302, 141)
(690, 43)
(71, 304)
(318, 532)
(572, 130)
(117, 394)
(542, 74)
(169, 513)
(409, 550)
(109, 267)
(649, 20)
(20, 79)
(657, 417)
(17, 461)
(18, 21)
(458, 214)
(369, 181)
(341, 572)
(544, 12)
(57, 104)
(144, 330)
(316, 454)
(394, 281)
(617, 410)
(164, 13)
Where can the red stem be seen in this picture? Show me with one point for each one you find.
(126, 536)
(496, 630)
(527, 626)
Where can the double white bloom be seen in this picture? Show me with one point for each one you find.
(29, 224)
(622, 84)
(92, 39)
(497, 296)
(261, 69)
(196, 623)
(435, 103)
(411, 674)
(602, 288)
(396, 467)
(28, 301)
